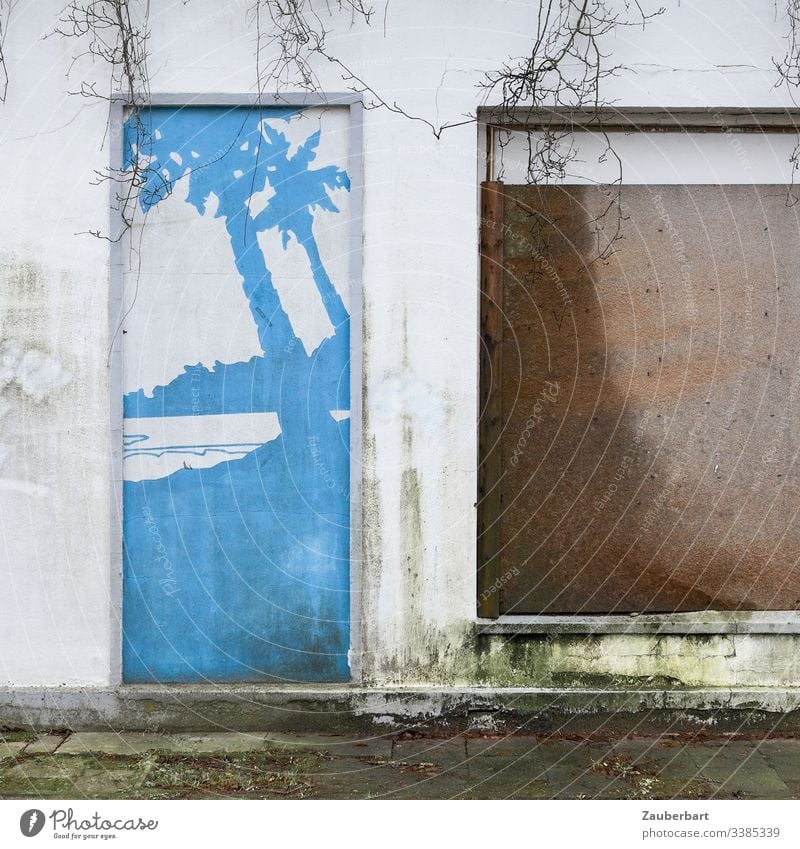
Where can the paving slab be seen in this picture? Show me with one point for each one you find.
(11, 750)
(110, 765)
(45, 767)
(42, 776)
(450, 784)
(783, 756)
(642, 759)
(442, 753)
(45, 744)
(109, 742)
(392, 782)
(105, 783)
(670, 763)
(345, 746)
(508, 747)
(507, 788)
(133, 743)
(570, 769)
(17, 735)
(507, 768)
(739, 768)
(364, 781)
(413, 769)
(226, 741)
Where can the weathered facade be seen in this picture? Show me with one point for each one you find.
(303, 275)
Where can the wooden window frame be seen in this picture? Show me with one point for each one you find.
(489, 620)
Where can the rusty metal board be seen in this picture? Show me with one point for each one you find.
(650, 432)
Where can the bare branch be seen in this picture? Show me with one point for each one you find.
(566, 69)
(789, 66)
(788, 69)
(5, 13)
(290, 33)
(115, 32)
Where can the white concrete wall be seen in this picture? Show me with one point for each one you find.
(420, 304)
(55, 619)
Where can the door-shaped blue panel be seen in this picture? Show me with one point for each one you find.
(236, 372)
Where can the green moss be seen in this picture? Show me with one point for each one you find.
(601, 661)
(16, 735)
(614, 682)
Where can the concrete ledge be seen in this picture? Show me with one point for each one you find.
(711, 622)
(340, 709)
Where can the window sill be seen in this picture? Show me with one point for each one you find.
(702, 622)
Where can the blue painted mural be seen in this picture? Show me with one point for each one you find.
(236, 491)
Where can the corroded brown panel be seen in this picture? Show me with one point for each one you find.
(650, 399)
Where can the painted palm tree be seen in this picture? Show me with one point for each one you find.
(230, 175)
(259, 546)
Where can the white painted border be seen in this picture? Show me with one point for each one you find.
(356, 207)
(711, 119)
(708, 120)
(115, 391)
(115, 364)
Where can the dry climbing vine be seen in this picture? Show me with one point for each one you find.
(290, 33)
(5, 12)
(115, 34)
(788, 68)
(292, 38)
(564, 70)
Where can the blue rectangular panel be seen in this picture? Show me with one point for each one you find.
(236, 491)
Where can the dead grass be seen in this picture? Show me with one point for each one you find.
(255, 773)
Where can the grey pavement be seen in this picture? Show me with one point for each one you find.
(133, 765)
